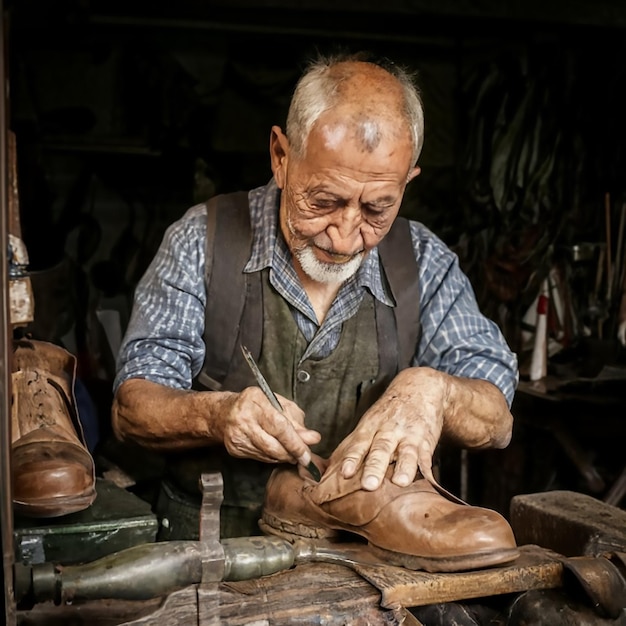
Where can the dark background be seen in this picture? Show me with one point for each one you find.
(127, 113)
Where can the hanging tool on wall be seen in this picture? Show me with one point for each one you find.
(22, 305)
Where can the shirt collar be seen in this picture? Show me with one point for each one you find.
(267, 242)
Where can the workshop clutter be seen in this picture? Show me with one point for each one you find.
(577, 321)
(53, 471)
(415, 527)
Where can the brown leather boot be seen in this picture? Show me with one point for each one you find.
(414, 527)
(53, 472)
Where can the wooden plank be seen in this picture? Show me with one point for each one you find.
(209, 604)
(180, 607)
(536, 568)
(176, 609)
(320, 593)
(311, 593)
(94, 613)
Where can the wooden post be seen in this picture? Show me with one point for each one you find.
(6, 499)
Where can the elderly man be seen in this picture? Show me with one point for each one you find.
(362, 322)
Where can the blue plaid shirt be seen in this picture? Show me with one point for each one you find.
(163, 342)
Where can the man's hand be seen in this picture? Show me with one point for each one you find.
(162, 418)
(404, 426)
(252, 428)
(407, 422)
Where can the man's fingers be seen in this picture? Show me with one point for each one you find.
(349, 467)
(257, 430)
(253, 443)
(406, 464)
(408, 458)
(293, 440)
(425, 460)
(293, 434)
(266, 443)
(351, 456)
(310, 437)
(377, 462)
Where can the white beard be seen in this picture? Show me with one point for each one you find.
(327, 272)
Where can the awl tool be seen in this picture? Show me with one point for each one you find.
(271, 396)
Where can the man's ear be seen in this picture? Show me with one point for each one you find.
(279, 151)
(414, 172)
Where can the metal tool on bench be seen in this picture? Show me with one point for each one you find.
(155, 569)
(271, 396)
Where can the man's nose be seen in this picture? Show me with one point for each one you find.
(346, 231)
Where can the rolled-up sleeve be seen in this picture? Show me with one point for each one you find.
(163, 342)
(456, 337)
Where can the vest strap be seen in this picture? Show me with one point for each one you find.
(228, 247)
(401, 273)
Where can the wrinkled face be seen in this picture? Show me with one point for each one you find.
(341, 199)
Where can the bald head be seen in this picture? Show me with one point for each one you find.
(368, 104)
(349, 95)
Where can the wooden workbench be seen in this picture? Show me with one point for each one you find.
(312, 593)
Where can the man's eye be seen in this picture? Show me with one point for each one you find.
(375, 211)
(325, 205)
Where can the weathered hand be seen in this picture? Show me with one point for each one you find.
(253, 428)
(404, 426)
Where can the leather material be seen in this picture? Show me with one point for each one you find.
(414, 527)
(53, 472)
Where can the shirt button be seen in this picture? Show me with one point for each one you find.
(303, 376)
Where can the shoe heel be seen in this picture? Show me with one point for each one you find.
(291, 531)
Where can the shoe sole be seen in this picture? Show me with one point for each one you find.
(54, 507)
(479, 560)
(292, 531)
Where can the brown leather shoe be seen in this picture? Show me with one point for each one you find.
(53, 472)
(414, 526)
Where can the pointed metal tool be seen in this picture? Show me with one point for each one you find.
(271, 396)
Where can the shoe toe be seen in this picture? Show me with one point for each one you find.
(52, 479)
(476, 529)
